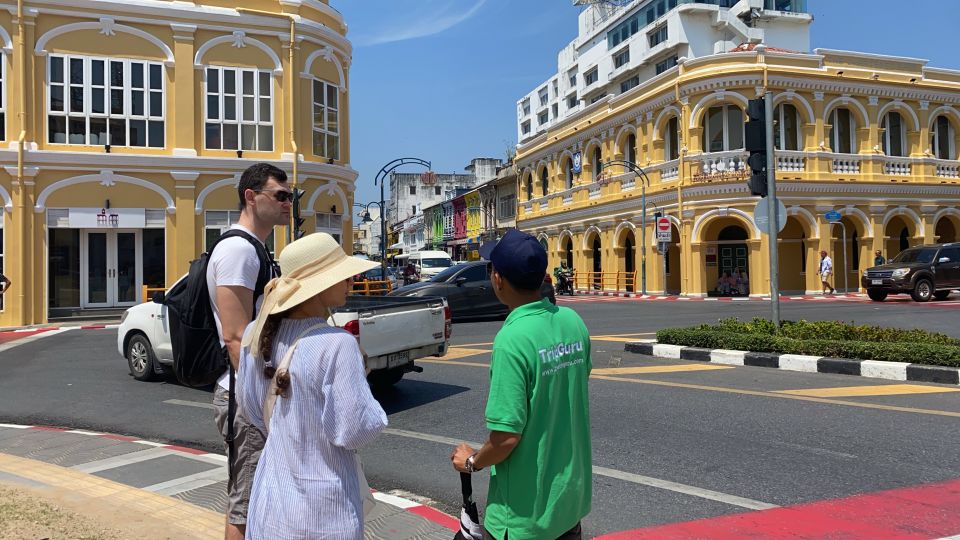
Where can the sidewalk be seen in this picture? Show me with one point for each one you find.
(155, 490)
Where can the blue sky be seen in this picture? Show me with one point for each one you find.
(439, 79)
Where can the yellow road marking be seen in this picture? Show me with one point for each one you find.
(451, 362)
(189, 521)
(634, 334)
(657, 369)
(620, 339)
(759, 393)
(879, 390)
(472, 344)
(462, 352)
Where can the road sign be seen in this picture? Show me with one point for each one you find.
(664, 231)
(832, 216)
(760, 216)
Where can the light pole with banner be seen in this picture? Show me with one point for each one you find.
(381, 179)
(645, 181)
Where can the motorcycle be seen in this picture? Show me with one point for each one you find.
(564, 283)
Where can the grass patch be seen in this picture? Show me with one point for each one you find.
(822, 338)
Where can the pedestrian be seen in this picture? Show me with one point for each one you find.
(410, 274)
(232, 272)
(743, 283)
(878, 260)
(308, 483)
(825, 271)
(538, 409)
(723, 284)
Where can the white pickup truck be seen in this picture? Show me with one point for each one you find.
(393, 332)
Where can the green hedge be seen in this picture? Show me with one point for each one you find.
(821, 339)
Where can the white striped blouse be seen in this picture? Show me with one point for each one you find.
(306, 484)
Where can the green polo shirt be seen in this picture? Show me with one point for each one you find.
(539, 374)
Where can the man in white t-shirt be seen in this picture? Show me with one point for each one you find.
(232, 272)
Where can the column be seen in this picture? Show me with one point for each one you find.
(691, 271)
(184, 228)
(182, 123)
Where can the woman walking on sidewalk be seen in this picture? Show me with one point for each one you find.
(308, 482)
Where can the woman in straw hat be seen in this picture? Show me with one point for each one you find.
(303, 383)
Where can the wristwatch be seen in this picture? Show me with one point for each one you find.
(470, 466)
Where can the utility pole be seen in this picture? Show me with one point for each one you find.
(759, 139)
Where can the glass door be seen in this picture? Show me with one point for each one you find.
(113, 264)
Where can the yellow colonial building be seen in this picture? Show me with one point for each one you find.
(125, 126)
(873, 138)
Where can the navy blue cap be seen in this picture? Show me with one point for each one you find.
(518, 257)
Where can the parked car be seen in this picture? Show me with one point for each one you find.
(468, 291)
(393, 333)
(925, 272)
(375, 274)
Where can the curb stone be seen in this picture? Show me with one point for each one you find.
(897, 371)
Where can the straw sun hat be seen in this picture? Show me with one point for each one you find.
(310, 266)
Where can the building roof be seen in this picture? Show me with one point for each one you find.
(744, 47)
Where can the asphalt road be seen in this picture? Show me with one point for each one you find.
(668, 446)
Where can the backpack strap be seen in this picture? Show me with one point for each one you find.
(269, 269)
(271, 398)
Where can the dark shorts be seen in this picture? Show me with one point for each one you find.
(248, 444)
(576, 533)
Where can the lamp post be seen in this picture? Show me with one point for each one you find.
(645, 181)
(365, 218)
(381, 179)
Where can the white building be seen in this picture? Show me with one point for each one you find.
(617, 47)
(368, 237)
(409, 194)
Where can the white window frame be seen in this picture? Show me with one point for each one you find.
(835, 133)
(508, 207)
(630, 149)
(780, 117)
(544, 96)
(543, 118)
(324, 130)
(330, 223)
(951, 139)
(238, 95)
(525, 127)
(87, 114)
(671, 147)
(233, 216)
(725, 115)
(622, 58)
(592, 73)
(887, 137)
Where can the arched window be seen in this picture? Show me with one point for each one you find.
(543, 181)
(786, 134)
(723, 129)
(568, 173)
(894, 136)
(671, 140)
(529, 187)
(942, 139)
(630, 149)
(904, 239)
(596, 163)
(843, 132)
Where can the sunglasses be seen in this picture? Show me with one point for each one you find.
(280, 195)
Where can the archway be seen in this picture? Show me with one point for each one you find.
(795, 256)
(672, 263)
(847, 258)
(946, 230)
(596, 262)
(629, 261)
(897, 236)
(566, 251)
(726, 256)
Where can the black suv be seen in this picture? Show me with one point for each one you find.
(925, 272)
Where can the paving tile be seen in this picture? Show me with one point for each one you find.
(154, 471)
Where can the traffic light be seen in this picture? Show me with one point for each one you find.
(756, 143)
(297, 220)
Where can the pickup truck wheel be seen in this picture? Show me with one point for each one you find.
(140, 358)
(385, 378)
(922, 291)
(941, 295)
(877, 295)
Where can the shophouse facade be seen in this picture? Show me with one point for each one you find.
(126, 125)
(872, 137)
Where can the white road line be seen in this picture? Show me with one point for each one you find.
(393, 500)
(31, 339)
(197, 404)
(192, 481)
(732, 500)
(120, 461)
(14, 426)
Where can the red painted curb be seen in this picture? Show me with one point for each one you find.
(436, 516)
(186, 450)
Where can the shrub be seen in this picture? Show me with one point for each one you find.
(717, 338)
(832, 330)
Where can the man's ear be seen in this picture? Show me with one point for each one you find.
(249, 196)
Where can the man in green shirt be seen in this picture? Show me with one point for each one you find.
(538, 409)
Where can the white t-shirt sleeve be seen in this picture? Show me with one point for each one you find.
(235, 263)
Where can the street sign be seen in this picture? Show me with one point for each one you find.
(664, 231)
(760, 217)
(833, 216)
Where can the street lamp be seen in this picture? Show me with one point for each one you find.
(381, 179)
(645, 181)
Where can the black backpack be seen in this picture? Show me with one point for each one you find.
(198, 357)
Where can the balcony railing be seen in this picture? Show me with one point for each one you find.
(669, 170)
(723, 162)
(948, 169)
(594, 190)
(896, 166)
(848, 164)
(789, 161)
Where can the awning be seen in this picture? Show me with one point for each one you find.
(398, 245)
